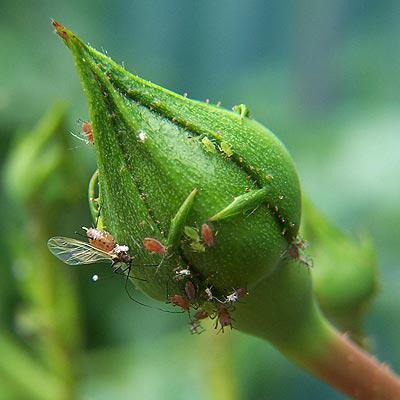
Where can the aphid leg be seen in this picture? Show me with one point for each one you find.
(243, 203)
(179, 221)
(122, 271)
(139, 302)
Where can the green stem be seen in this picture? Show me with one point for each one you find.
(282, 310)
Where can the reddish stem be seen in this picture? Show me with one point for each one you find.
(355, 372)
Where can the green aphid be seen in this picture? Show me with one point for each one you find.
(242, 110)
(226, 149)
(192, 233)
(208, 145)
(197, 247)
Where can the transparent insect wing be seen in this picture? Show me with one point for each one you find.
(75, 252)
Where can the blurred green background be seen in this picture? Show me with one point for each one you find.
(323, 75)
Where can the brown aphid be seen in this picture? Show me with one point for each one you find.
(223, 318)
(294, 252)
(180, 301)
(154, 246)
(87, 130)
(207, 235)
(202, 314)
(101, 240)
(190, 291)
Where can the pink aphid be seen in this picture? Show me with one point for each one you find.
(207, 235)
(154, 246)
(180, 301)
(190, 291)
(87, 130)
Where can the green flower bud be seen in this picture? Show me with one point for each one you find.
(168, 165)
(345, 276)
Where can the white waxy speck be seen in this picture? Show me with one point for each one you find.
(120, 249)
(232, 298)
(95, 278)
(142, 136)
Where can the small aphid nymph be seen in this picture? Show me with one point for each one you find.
(207, 235)
(224, 318)
(190, 291)
(294, 252)
(88, 132)
(154, 246)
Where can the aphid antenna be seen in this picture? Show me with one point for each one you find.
(134, 241)
(81, 234)
(77, 137)
(121, 271)
(252, 212)
(164, 257)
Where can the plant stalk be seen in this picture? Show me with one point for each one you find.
(282, 310)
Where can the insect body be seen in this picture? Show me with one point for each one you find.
(101, 240)
(180, 301)
(223, 318)
(75, 252)
(154, 246)
(87, 130)
(190, 291)
(294, 252)
(207, 235)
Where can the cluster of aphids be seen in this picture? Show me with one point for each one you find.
(205, 303)
(101, 246)
(193, 294)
